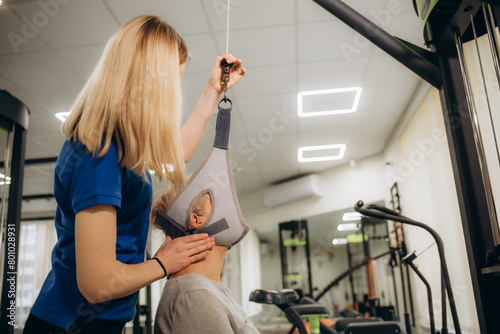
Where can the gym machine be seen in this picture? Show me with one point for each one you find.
(14, 124)
(447, 24)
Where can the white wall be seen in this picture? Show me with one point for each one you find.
(428, 194)
(342, 187)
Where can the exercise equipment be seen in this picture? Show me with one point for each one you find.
(408, 260)
(400, 244)
(380, 212)
(308, 309)
(14, 117)
(295, 256)
(283, 299)
(446, 25)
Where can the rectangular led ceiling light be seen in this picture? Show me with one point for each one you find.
(339, 241)
(328, 101)
(349, 216)
(348, 227)
(4, 179)
(321, 153)
(62, 115)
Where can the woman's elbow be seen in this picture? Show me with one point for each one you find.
(94, 292)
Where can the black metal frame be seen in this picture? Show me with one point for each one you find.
(381, 212)
(16, 113)
(409, 318)
(293, 225)
(408, 260)
(441, 68)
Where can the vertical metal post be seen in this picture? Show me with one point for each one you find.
(429, 294)
(492, 38)
(478, 140)
(351, 280)
(470, 188)
(9, 277)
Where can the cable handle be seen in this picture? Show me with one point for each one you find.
(226, 70)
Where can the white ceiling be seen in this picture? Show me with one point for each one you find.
(287, 46)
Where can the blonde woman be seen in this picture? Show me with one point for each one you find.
(124, 123)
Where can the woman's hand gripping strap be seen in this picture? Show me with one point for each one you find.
(226, 75)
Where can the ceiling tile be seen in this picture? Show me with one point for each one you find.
(39, 186)
(395, 95)
(74, 17)
(326, 137)
(259, 81)
(43, 124)
(340, 123)
(6, 84)
(56, 99)
(406, 26)
(332, 74)
(237, 129)
(385, 70)
(41, 170)
(34, 105)
(202, 51)
(187, 16)
(267, 106)
(46, 206)
(317, 167)
(37, 69)
(53, 142)
(283, 156)
(193, 85)
(247, 182)
(34, 149)
(278, 172)
(330, 40)
(82, 60)
(249, 14)
(279, 42)
(312, 12)
(266, 129)
(17, 33)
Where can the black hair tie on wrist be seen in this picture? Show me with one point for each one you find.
(161, 265)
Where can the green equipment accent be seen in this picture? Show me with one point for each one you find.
(294, 242)
(292, 278)
(314, 322)
(424, 9)
(356, 238)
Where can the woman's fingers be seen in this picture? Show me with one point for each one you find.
(203, 244)
(200, 247)
(198, 257)
(178, 253)
(236, 73)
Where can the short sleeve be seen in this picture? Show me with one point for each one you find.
(96, 180)
(204, 314)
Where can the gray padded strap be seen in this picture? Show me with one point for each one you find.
(175, 230)
(170, 226)
(222, 128)
(214, 228)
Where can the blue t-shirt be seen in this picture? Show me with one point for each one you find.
(82, 181)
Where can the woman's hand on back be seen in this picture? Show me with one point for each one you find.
(176, 254)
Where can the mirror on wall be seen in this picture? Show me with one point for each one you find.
(335, 243)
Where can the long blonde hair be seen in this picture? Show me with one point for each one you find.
(134, 99)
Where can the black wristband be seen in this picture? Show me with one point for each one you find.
(161, 265)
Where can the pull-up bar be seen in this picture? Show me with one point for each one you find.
(418, 60)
